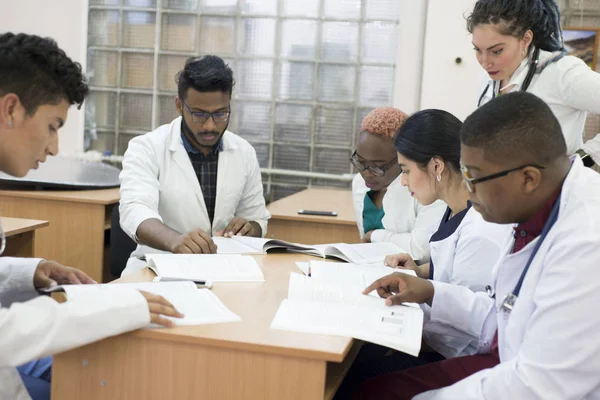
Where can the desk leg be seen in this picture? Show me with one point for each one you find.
(75, 236)
(129, 367)
(21, 245)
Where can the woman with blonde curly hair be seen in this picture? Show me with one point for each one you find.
(385, 210)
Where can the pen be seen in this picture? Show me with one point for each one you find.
(309, 274)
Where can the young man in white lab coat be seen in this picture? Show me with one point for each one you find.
(38, 83)
(192, 179)
(538, 319)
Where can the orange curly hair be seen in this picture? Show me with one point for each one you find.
(384, 121)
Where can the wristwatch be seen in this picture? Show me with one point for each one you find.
(586, 158)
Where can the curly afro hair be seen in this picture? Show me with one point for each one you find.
(383, 121)
(39, 72)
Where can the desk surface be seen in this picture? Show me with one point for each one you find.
(101, 196)
(15, 226)
(316, 199)
(256, 304)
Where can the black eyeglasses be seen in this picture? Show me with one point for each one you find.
(471, 182)
(377, 170)
(201, 116)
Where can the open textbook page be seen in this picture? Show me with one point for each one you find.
(205, 267)
(361, 253)
(199, 306)
(326, 308)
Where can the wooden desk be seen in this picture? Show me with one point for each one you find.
(287, 224)
(77, 219)
(20, 236)
(238, 360)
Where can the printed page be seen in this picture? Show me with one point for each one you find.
(199, 306)
(233, 246)
(365, 253)
(199, 267)
(397, 327)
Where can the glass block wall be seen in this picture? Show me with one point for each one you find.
(307, 72)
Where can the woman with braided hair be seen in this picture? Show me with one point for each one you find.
(519, 44)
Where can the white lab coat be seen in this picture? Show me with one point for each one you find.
(548, 344)
(406, 223)
(569, 87)
(40, 327)
(465, 255)
(158, 181)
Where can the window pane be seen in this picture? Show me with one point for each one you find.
(257, 37)
(124, 142)
(168, 68)
(178, 32)
(262, 153)
(293, 123)
(180, 4)
(376, 84)
(279, 192)
(335, 126)
(255, 78)
(332, 161)
(336, 83)
(166, 109)
(103, 28)
(139, 29)
(254, 120)
(259, 7)
(140, 3)
(105, 142)
(304, 8)
(296, 80)
(379, 42)
(383, 9)
(298, 38)
(105, 2)
(137, 70)
(136, 110)
(218, 7)
(342, 9)
(362, 113)
(216, 35)
(102, 68)
(340, 41)
(104, 105)
(286, 156)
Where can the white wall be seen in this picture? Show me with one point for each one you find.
(66, 22)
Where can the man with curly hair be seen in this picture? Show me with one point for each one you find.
(385, 210)
(38, 84)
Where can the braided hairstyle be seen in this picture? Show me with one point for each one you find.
(39, 72)
(516, 17)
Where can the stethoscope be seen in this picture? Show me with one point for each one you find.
(509, 300)
(526, 82)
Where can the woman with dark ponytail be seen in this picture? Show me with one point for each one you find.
(519, 44)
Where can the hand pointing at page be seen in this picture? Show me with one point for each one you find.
(398, 288)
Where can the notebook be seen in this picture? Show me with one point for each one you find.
(199, 306)
(338, 309)
(362, 253)
(205, 267)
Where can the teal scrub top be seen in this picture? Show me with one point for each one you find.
(372, 216)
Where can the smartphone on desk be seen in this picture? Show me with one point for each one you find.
(320, 213)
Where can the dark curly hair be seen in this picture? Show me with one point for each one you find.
(205, 74)
(39, 72)
(542, 17)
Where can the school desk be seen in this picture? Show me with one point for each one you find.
(238, 360)
(287, 224)
(20, 236)
(78, 220)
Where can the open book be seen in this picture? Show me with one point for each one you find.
(199, 306)
(322, 307)
(361, 253)
(205, 267)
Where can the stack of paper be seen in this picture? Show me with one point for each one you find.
(199, 306)
(205, 267)
(340, 309)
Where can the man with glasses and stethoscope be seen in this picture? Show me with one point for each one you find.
(538, 317)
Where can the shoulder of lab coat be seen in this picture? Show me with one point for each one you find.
(406, 223)
(553, 352)
(41, 327)
(16, 279)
